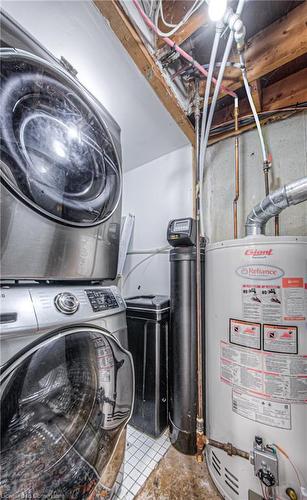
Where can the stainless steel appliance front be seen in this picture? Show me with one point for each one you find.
(66, 386)
(60, 169)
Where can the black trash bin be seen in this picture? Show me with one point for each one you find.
(148, 325)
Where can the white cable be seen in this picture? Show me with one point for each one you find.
(169, 25)
(253, 108)
(158, 250)
(187, 16)
(216, 42)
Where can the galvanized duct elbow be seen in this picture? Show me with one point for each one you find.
(290, 194)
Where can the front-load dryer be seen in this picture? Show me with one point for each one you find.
(67, 386)
(60, 169)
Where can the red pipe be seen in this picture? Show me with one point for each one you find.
(180, 51)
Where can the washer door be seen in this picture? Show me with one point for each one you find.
(57, 154)
(64, 405)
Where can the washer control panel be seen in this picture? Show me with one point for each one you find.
(101, 299)
(66, 303)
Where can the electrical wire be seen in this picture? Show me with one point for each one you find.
(169, 25)
(247, 119)
(180, 51)
(175, 27)
(262, 490)
(155, 252)
(283, 452)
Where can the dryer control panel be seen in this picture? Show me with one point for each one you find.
(101, 299)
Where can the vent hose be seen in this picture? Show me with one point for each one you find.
(290, 194)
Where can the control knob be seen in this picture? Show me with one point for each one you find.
(66, 303)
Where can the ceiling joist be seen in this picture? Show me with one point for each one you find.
(135, 47)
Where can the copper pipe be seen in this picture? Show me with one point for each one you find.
(266, 168)
(228, 448)
(277, 225)
(199, 329)
(237, 173)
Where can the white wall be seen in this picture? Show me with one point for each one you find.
(287, 141)
(77, 30)
(155, 193)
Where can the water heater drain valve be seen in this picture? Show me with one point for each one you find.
(265, 463)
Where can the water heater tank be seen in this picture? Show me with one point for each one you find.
(256, 344)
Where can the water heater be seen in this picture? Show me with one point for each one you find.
(256, 355)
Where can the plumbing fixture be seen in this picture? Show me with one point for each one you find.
(290, 194)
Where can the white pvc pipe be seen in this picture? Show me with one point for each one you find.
(216, 42)
(253, 108)
(212, 109)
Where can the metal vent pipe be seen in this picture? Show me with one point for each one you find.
(290, 194)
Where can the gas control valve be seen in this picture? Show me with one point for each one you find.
(265, 463)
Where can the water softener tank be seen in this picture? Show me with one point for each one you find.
(256, 343)
(182, 350)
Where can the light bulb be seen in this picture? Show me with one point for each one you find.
(217, 9)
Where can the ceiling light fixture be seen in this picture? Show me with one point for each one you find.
(217, 9)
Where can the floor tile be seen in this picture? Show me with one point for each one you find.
(128, 482)
(135, 488)
(139, 454)
(141, 480)
(151, 453)
(128, 468)
(146, 460)
(122, 493)
(133, 461)
(129, 496)
(135, 474)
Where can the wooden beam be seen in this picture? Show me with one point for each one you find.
(199, 19)
(278, 44)
(287, 92)
(246, 128)
(257, 94)
(283, 94)
(135, 47)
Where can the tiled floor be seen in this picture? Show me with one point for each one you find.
(142, 455)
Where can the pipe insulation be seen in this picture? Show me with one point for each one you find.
(253, 108)
(290, 194)
(218, 86)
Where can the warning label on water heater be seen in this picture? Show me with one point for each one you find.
(280, 338)
(244, 333)
(262, 302)
(279, 377)
(261, 410)
(294, 300)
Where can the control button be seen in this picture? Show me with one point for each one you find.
(66, 303)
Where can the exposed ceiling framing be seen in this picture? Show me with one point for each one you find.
(278, 44)
(134, 45)
(279, 49)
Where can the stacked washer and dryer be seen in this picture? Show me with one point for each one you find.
(67, 380)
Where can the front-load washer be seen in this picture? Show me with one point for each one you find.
(67, 386)
(60, 169)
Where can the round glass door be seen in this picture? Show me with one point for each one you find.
(63, 408)
(56, 152)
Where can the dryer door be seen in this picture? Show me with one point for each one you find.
(64, 406)
(57, 153)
